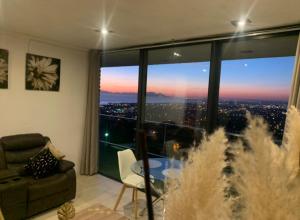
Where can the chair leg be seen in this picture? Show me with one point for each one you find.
(156, 200)
(136, 204)
(120, 196)
(133, 194)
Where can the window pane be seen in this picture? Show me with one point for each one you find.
(256, 77)
(119, 87)
(118, 108)
(177, 87)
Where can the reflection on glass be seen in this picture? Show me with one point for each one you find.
(256, 77)
(177, 87)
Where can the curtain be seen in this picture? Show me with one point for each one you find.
(90, 149)
(295, 93)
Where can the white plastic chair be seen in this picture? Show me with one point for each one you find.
(130, 180)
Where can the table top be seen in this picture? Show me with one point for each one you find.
(159, 168)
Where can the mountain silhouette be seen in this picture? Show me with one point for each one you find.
(134, 93)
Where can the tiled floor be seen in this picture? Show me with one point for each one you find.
(95, 189)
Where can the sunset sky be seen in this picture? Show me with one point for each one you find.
(262, 78)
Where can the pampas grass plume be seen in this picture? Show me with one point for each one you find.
(266, 177)
(265, 174)
(200, 193)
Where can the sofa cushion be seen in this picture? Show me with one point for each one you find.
(5, 174)
(42, 165)
(21, 156)
(2, 159)
(19, 169)
(41, 188)
(23, 141)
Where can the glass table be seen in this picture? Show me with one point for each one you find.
(160, 169)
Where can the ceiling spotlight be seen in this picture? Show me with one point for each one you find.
(241, 23)
(176, 54)
(104, 31)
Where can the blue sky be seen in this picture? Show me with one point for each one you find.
(260, 78)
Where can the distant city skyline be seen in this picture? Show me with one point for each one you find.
(247, 79)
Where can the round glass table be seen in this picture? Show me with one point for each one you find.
(159, 168)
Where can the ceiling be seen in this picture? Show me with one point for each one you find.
(137, 22)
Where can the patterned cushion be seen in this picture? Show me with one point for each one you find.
(42, 165)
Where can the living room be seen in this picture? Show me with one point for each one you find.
(149, 110)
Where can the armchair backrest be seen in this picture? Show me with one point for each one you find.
(17, 149)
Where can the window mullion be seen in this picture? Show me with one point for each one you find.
(214, 85)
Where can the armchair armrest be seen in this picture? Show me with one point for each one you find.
(65, 165)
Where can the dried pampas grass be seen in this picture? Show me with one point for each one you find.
(200, 192)
(266, 177)
(292, 142)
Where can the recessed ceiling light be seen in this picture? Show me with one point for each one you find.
(241, 23)
(104, 31)
(177, 54)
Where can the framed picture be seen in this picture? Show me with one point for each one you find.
(42, 73)
(3, 69)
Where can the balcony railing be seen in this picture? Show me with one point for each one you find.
(120, 133)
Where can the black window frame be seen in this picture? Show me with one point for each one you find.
(214, 75)
(213, 86)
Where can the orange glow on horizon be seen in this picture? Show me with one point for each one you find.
(119, 88)
(247, 92)
(235, 92)
(174, 89)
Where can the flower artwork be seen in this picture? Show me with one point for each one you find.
(42, 73)
(3, 69)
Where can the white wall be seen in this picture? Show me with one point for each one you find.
(59, 115)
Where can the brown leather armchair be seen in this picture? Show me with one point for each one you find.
(41, 194)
